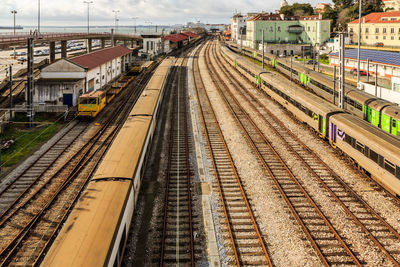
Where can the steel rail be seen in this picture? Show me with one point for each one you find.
(13, 246)
(317, 159)
(225, 94)
(207, 131)
(178, 83)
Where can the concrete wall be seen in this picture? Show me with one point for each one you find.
(51, 92)
(104, 74)
(285, 49)
(381, 92)
(383, 70)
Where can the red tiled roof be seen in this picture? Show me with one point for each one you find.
(97, 58)
(190, 34)
(377, 17)
(175, 37)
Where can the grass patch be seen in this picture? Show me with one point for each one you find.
(26, 139)
(321, 60)
(259, 63)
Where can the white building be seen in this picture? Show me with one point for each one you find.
(153, 45)
(61, 83)
(238, 23)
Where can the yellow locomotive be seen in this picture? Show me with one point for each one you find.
(91, 103)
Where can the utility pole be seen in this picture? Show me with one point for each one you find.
(88, 3)
(367, 70)
(334, 85)
(11, 85)
(376, 79)
(359, 42)
(29, 106)
(291, 67)
(116, 20)
(38, 17)
(162, 42)
(135, 18)
(262, 48)
(341, 72)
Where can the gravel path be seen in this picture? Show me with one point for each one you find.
(272, 215)
(367, 250)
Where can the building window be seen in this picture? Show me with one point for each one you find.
(384, 37)
(366, 37)
(279, 28)
(351, 30)
(384, 30)
(376, 37)
(366, 30)
(391, 30)
(309, 29)
(377, 30)
(271, 29)
(392, 38)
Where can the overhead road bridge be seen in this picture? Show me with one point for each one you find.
(10, 40)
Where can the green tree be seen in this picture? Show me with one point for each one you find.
(297, 9)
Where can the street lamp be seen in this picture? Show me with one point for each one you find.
(135, 18)
(14, 12)
(116, 20)
(88, 3)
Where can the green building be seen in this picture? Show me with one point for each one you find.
(279, 28)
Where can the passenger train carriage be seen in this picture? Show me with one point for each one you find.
(357, 101)
(376, 151)
(96, 231)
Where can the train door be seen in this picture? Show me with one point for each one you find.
(322, 125)
(375, 115)
(394, 127)
(385, 122)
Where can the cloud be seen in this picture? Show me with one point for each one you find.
(73, 12)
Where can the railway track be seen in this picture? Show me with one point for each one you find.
(29, 177)
(27, 229)
(324, 238)
(381, 234)
(177, 241)
(246, 244)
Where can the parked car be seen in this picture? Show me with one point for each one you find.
(22, 59)
(354, 72)
(379, 44)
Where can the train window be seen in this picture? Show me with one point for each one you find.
(397, 171)
(92, 101)
(393, 123)
(390, 167)
(348, 139)
(360, 147)
(373, 155)
(366, 151)
(380, 160)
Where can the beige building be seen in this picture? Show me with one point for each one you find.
(380, 28)
(393, 5)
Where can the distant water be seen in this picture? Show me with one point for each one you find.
(121, 29)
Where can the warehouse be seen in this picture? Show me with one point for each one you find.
(387, 62)
(61, 83)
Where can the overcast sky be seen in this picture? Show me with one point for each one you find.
(73, 12)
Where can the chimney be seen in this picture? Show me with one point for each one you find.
(282, 16)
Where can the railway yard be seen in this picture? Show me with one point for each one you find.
(206, 159)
